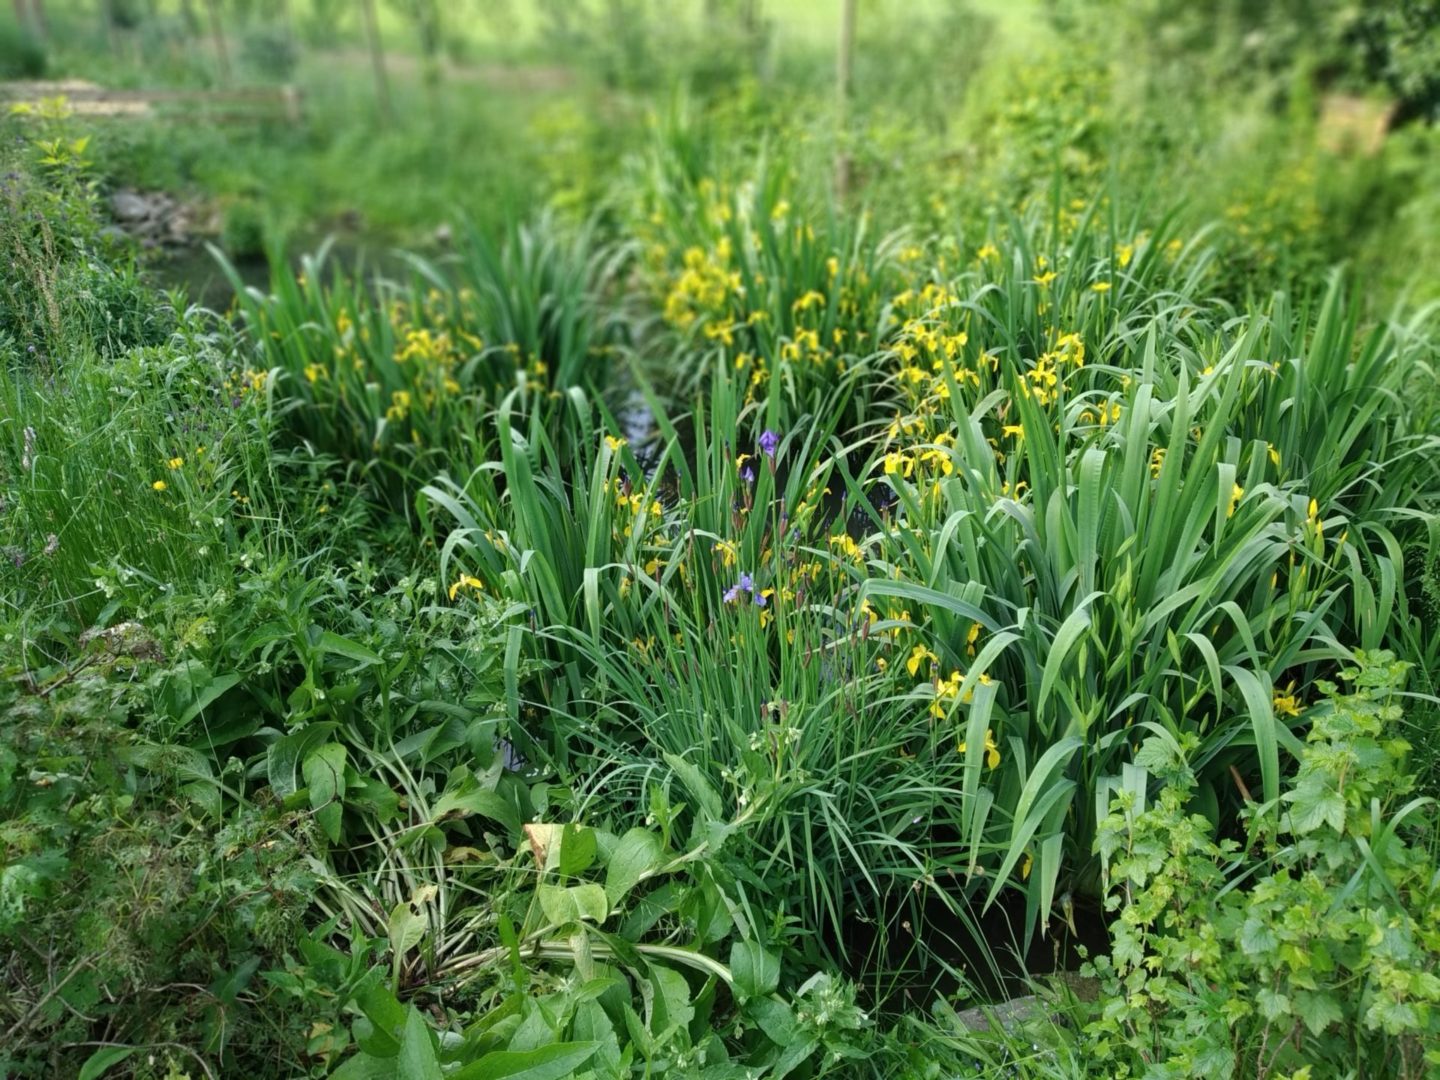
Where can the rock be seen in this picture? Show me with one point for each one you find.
(1007, 1014)
(1018, 1011)
(152, 218)
(130, 206)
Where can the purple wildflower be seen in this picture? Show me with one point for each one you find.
(745, 468)
(746, 584)
(769, 443)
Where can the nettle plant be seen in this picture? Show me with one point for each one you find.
(1311, 950)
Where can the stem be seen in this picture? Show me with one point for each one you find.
(24, 1021)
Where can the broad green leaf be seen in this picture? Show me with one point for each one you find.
(577, 849)
(386, 1015)
(408, 921)
(282, 761)
(756, 972)
(325, 777)
(574, 903)
(1319, 1009)
(667, 1000)
(1313, 803)
(331, 642)
(775, 1018)
(100, 1061)
(365, 1066)
(638, 853)
(698, 787)
(464, 796)
(206, 696)
(554, 1062)
(417, 1059)
(1273, 1004)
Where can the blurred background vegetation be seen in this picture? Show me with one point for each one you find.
(1316, 111)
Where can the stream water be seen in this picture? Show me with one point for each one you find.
(194, 269)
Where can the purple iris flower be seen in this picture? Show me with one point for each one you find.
(747, 473)
(769, 443)
(746, 584)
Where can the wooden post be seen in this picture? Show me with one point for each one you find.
(217, 32)
(844, 72)
(293, 111)
(377, 57)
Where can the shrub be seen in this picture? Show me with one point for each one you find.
(242, 232)
(1311, 949)
(269, 51)
(63, 289)
(127, 918)
(22, 55)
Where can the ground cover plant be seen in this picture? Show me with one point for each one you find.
(936, 584)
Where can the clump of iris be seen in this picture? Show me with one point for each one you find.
(745, 585)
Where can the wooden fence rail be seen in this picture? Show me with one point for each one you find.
(242, 104)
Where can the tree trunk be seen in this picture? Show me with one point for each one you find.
(112, 31)
(377, 57)
(844, 70)
(30, 14)
(750, 16)
(192, 21)
(217, 34)
(431, 39)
